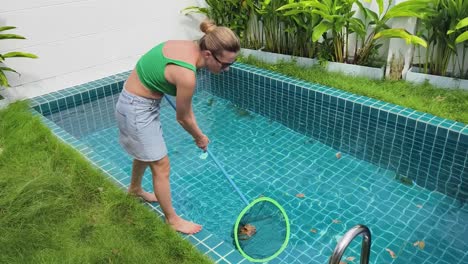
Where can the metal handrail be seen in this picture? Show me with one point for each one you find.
(346, 240)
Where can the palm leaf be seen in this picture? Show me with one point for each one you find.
(357, 26)
(8, 69)
(411, 8)
(6, 28)
(463, 37)
(11, 36)
(380, 3)
(3, 80)
(463, 23)
(402, 34)
(321, 28)
(291, 6)
(195, 9)
(17, 54)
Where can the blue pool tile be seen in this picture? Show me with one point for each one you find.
(236, 257)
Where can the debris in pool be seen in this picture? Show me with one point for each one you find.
(419, 206)
(246, 231)
(336, 221)
(350, 258)
(364, 188)
(300, 195)
(313, 230)
(421, 244)
(210, 101)
(404, 179)
(392, 254)
(338, 155)
(241, 112)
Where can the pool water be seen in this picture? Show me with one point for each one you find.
(266, 158)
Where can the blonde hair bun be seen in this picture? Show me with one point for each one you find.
(207, 26)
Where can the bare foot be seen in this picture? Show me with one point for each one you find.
(184, 226)
(149, 197)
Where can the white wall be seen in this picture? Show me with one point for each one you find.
(82, 40)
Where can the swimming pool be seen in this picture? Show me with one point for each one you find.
(279, 137)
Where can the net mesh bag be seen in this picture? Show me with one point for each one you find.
(262, 230)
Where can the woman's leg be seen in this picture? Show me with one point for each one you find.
(138, 169)
(162, 189)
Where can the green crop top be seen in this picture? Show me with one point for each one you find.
(150, 69)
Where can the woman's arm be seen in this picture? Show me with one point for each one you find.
(185, 84)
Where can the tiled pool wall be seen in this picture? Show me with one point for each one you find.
(432, 151)
(79, 95)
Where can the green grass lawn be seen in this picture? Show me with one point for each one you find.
(57, 208)
(450, 104)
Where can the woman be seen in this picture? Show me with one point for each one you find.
(169, 68)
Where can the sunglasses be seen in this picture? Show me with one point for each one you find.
(224, 65)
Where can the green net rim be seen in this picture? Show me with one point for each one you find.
(236, 226)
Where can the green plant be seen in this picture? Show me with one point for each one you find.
(443, 26)
(14, 54)
(335, 17)
(338, 18)
(234, 14)
(461, 37)
(379, 28)
(259, 25)
(299, 29)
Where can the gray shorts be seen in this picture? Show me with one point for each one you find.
(140, 129)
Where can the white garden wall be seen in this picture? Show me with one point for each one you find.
(82, 40)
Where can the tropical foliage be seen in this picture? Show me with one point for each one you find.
(14, 54)
(347, 31)
(444, 27)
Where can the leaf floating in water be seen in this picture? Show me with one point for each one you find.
(313, 230)
(338, 155)
(350, 258)
(300, 195)
(336, 221)
(392, 254)
(421, 244)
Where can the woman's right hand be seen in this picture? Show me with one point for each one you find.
(202, 142)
